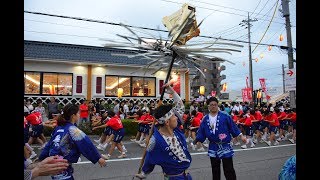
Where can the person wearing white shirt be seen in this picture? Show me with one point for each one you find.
(219, 129)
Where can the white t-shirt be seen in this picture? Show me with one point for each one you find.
(125, 108)
(213, 122)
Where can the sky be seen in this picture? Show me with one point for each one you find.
(222, 19)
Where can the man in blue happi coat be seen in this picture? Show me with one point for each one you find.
(219, 128)
(167, 147)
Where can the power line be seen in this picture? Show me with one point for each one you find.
(275, 10)
(257, 27)
(225, 7)
(217, 10)
(139, 27)
(256, 7)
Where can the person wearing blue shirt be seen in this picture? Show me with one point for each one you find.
(167, 146)
(288, 171)
(219, 128)
(69, 142)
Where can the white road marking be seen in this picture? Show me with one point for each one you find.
(192, 154)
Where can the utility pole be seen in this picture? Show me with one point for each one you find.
(283, 81)
(247, 22)
(286, 14)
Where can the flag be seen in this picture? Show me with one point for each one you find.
(245, 95)
(264, 87)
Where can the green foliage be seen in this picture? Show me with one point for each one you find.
(87, 129)
(60, 106)
(109, 106)
(130, 127)
(187, 106)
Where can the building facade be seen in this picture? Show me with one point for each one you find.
(73, 72)
(211, 81)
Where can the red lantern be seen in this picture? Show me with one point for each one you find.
(281, 37)
(269, 48)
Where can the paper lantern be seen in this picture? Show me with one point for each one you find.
(259, 93)
(269, 48)
(120, 92)
(224, 87)
(281, 37)
(261, 55)
(202, 90)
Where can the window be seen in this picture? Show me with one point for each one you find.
(32, 83)
(115, 82)
(132, 86)
(57, 84)
(98, 85)
(48, 83)
(143, 86)
(79, 84)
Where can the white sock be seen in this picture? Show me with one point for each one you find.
(251, 142)
(141, 138)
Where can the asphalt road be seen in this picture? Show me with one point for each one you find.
(262, 162)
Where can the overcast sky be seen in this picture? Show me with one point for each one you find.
(223, 18)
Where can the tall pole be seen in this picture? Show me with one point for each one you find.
(286, 14)
(247, 22)
(283, 81)
(250, 63)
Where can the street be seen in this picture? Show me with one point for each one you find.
(259, 163)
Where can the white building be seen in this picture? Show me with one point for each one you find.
(74, 72)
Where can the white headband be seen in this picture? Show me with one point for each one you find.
(166, 117)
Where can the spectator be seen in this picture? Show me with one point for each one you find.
(53, 107)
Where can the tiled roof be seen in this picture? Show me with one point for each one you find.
(78, 53)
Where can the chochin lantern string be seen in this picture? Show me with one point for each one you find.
(281, 37)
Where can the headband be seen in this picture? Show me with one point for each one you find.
(166, 117)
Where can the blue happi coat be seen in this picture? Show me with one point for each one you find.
(69, 142)
(219, 146)
(159, 153)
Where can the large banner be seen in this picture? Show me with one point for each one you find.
(246, 95)
(264, 87)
